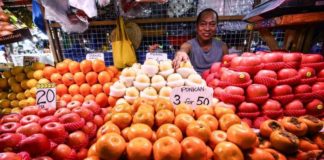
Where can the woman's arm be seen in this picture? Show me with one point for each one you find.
(225, 49)
(182, 54)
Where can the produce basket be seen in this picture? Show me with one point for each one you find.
(273, 113)
(290, 81)
(258, 100)
(276, 66)
(284, 99)
(267, 81)
(233, 99)
(308, 80)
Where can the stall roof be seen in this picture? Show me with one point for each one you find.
(275, 8)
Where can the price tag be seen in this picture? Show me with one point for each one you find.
(157, 56)
(29, 60)
(94, 56)
(192, 95)
(46, 96)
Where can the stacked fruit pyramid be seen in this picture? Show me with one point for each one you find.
(18, 87)
(269, 85)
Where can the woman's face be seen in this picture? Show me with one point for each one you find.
(206, 27)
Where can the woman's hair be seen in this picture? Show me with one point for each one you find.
(204, 12)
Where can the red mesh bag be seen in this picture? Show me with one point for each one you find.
(308, 80)
(320, 79)
(317, 66)
(249, 115)
(305, 97)
(258, 121)
(319, 95)
(93, 132)
(233, 99)
(74, 125)
(267, 81)
(290, 81)
(294, 65)
(252, 70)
(275, 66)
(242, 85)
(258, 100)
(60, 139)
(284, 99)
(295, 113)
(223, 84)
(273, 114)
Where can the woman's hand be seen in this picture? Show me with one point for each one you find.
(181, 56)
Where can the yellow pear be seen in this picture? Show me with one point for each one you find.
(6, 74)
(6, 111)
(27, 69)
(12, 96)
(16, 88)
(3, 95)
(14, 103)
(4, 83)
(27, 93)
(16, 70)
(38, 74)
(4, 103)
(11, 81)
(31, 101)
(20, 77)
(23, 84)
(32, 83)
(30, 74)
(33, 92)
(20, 96)
(38, 66)
(22, 103)
(15, 110)
(43, 80)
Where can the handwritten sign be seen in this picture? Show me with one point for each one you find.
(46, 96)
(94, 56)
(192, 95)
(29, 60)
(157, 56)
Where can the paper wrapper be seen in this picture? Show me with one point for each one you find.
(148, 96)
(74, 125)
(273, 114)
(290, 81)
(190, 83)
(305, 97)
(158, 85)
(258, 100)
(117, 92)
(275, 66)
(295, 113)
(249, 115)
(150, 70)
(309, 81)
(252, 70)
(267, 81)
(128, 81)
(233, 99)
(141, 86)
(284, 99)
(166, 73)
(177, 83)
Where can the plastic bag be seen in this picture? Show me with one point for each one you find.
(123, 51)
(133, 9)
(88, 6)
(217, 5)
(103, 3)
(179, 7)
(55, 10)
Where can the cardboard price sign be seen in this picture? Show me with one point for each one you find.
(94, 56)
(157, 56)
(46, 96)
(29, 60)
(192, 95)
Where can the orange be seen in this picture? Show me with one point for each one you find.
(217, 137)
(3, 83)
(92, 158)
(106, 88)
(104, 77)
(79, 78)
(226, 150)
(74, 67)
(210, 153)
(98, 65)
(108, 127)
(102, 100)
(114, 80)
(183, 108)
(139, 130)
(113, 69)
(228, 120)
(110, 146)
(91, 78)
(62, 68)
(56, 78)
(162, 103)
(48, 71)
(139, 149)
(122, 108)
(199, 129)
(38, 66)
(122, 120)
(78, 97)
(169, 130)
(124, 133)
(85, 66)
(66, 97)
(167, 148)
(38, 74)
(89, 97)
(210, 120)
(193, 148)
(182, 121)
(67, 61)
(67, 79)
(163, 116)
(85, 89)
(61, 89)
(146, 107)
(154, 137)
(96, 89)
(203, 109)
(112, 101)
(145, 117)
(74, 89)
(111, 73)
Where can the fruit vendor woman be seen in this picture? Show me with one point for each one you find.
(204, 49)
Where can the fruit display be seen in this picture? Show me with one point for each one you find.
(269, 85)
(18, 87)
(152, 80)
(65, 133)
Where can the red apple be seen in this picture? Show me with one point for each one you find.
(282, 90)
(238, 78)
(29, 119)
(302, 88)
(9, 141)
(228, 58)
(272, 57)
(70, 118)
(43, 158)
(48, 119)
(73, 104)
(213, 83)
(267, 73)
(62, 111)
(61, 104)
(205, 73)
(82, 154)
(29, 129)
(63, 151)
(248, 107)
(90, 129)
(36, 145)
(233, 90)
(294, 105)
(320, 74)
(53, 129)
(92, 105)
(84, 113)
(210, 77)
(250, 61)
(235, 62)
(98, 120)
(11, 118)
(272, 105)
(9, 156)
(292, 57)
(319, 86)
(256, 90)
(9, 127)
(29, 110)
(312, 58)
(287, 73)
(247, 54)
(77, 140)
(315, 106)
(306, 72)
(215, 67)
(218, 91)
(46, 112)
